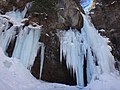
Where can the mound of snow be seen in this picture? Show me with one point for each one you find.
(14, 76)
(105, 82)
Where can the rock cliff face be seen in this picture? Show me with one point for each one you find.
(68, 15)
(107, 16)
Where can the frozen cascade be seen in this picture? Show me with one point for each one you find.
(27, 45)
(26, 41)
(86, 51)
(25, 38)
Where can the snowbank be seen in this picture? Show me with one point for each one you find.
(14, 76)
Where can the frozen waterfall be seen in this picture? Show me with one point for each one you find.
(86, 53)
(26, 41)
(23, 39)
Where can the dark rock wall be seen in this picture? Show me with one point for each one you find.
(53, 69)
(68, 15)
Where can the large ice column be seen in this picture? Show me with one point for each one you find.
(24, 39)
(19, 42)
(99, 47)
(26, 46)
(6, 33)
(85, 52)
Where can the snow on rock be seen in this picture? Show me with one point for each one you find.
(86, 53)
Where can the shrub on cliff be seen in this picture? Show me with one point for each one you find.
(44, 6)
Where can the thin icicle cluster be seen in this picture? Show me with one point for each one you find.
(72, 48)
(26, 41)
(85, 52)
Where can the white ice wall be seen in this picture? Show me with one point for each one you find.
(88, 45)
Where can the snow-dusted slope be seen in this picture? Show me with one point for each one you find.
(105, 82)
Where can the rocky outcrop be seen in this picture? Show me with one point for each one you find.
(66, 15)
(69, 14)
(107, 16)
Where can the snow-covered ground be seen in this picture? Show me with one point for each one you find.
(105, 82)
(86, 4)
(14, 76)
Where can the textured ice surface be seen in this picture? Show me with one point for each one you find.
(86, 51)
(26, 40)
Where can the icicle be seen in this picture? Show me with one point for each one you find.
(6, 37)
(26, 48)
(35, 47)
(99, 47)
(71, 48)
(42, 58)
(19, 42)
